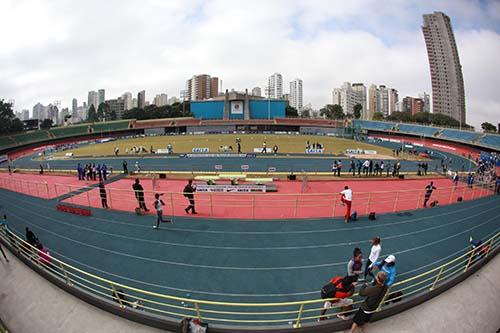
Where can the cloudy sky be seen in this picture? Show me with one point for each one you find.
(57, 50)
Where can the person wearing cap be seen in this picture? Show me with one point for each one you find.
(374, 295)
(388, 266)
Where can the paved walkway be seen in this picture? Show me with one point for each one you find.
(472, 306)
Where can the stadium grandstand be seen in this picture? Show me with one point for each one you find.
(93, 197)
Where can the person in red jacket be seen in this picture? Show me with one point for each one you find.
(339, 288)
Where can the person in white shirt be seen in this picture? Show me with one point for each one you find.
(374, 255)
(158, 204)
(346, 198)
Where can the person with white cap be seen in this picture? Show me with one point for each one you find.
(388, 266)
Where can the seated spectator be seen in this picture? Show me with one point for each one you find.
(339, 288)
(374, 295)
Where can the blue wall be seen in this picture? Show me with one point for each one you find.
(208, 110)
(258, 109)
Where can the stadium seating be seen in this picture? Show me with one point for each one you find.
(374, 125)
(110, 126)
(457, 135)
(417, 129)
(30, 137)
(6, 142)
(61, 132)
(491, 140)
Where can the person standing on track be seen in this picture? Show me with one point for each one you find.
(189, 190)
(374, 255)
(346, 198)
(158, 205)
(355, 265)
(125, 168)
(102, 193)
(388, 266)
(428, 192)
(139, 194)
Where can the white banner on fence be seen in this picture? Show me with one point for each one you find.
(200, 150)
(370, 152)
(245, 167)
(218, 167)
(314, 151)
(161, 151)
(230, 188)
(354, 151)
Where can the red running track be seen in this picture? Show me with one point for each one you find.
(320, 199)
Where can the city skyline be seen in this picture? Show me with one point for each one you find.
(323, 44)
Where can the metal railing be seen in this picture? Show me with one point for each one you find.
(248, 205)
(291, 314)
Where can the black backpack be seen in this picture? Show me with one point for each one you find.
(329, 290)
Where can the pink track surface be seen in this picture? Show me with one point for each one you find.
(42, 186)
(318, 201)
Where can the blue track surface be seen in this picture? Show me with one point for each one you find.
(245, 261)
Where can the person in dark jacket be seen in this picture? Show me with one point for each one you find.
(30, 237)
(102, 193)
(125, 167)
(189, 193)
(139, 195)
(374, 295)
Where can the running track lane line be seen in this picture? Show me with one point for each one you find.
(253, 248)
(243, 268)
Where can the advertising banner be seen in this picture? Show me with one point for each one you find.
(237, 107)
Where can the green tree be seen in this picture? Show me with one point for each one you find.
(291, 112)
(8, 121)
(357, 110)
(305, 114)
(400, 116)
(488, 127)
(46, 124)
(332, 111)
(378, 116)
(92, 115)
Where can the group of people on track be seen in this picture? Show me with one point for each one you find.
(339, 289)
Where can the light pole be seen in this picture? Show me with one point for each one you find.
(269, 103)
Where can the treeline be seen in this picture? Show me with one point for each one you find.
(175, 110)
(8, 121)
(335, 111)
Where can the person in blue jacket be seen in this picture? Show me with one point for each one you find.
(388, 266)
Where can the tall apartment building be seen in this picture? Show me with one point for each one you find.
(141, 99)
(74, 107)
(127, 98)
(346, 97)
(360, 90)
(275, 86)
(393, 100)
(296, 96)
(427, 104)
(101, 96)
(37, 109)
(25, 114)
(412, 105)
(117, 105)
(256, 91)
(448, 94)
(93, 99)
(373, 101)
(383, 100)
(201, 87)
(160, 100)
